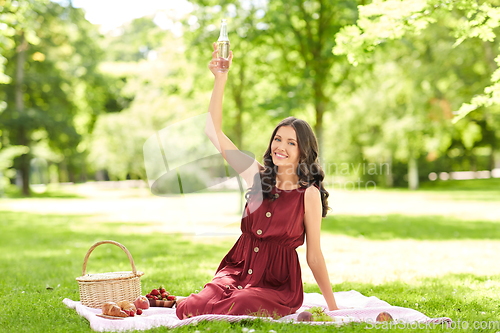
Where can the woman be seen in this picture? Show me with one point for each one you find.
(286, 200)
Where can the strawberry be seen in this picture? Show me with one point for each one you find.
(131, 314)
(139, 312)
(155, 292)
(167, 293)
(155, 297)
(162, 290)
(149, 296)
(171, 297)
(163, 295)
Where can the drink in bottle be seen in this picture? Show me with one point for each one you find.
(223, 47)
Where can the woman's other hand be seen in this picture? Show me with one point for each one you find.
(333, 308)
(219, 66)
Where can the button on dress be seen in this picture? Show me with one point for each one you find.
(261, 273)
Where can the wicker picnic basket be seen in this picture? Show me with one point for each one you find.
(97, 289)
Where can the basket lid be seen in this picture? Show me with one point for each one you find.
(108, 276)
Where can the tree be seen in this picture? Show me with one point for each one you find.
(453, 68)
(56, 91)
(246, 43)
(389, 20)
(21, 23)
(286, 44)
(161, 90)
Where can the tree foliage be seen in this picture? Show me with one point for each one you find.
(388, 20)
(62, 90)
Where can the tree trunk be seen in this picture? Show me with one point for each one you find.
(389, 179)
(71, 174)
(472, 161)
(53, 173)
(63, 172)
(413, 173)
(83, 175)
(319, 104)
(22, 133)
(492, 158)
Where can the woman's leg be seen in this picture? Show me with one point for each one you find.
(253, 301)
(201, 303)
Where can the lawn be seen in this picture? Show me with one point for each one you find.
(43, 254)
(460, 190)
(422, 227)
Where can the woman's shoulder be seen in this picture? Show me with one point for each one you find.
(312, 187)
(312, 198)
(312, 190)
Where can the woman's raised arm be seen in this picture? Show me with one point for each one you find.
(246, 166)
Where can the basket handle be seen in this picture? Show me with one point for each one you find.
(108, 242)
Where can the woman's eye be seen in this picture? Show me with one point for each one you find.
(276, 139)
(293, 144)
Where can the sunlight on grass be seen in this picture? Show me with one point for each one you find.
(491, 184)
(457, 190)
(43, 251)
(396, 226)
(52, 191)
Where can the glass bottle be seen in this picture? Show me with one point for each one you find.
(223, 47)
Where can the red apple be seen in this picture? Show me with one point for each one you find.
(384, 316)
(305, 316)
(141, 303)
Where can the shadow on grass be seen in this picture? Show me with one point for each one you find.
(43, 254)
(396, 226)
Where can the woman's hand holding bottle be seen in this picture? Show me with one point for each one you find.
(220, 66)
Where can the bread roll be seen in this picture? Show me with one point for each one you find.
(112, 309)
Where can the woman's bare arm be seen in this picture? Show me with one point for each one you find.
(246, 166)
(315, 259)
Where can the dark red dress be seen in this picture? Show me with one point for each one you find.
(261, 274)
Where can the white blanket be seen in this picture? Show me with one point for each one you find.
(354, 307)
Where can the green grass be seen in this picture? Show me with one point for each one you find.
(432, 227)
(52, 191)
(459, 190)
(40, 252)
(491, 184)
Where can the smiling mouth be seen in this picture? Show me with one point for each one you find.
(278, 155)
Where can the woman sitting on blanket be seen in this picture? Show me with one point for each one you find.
(286, 201)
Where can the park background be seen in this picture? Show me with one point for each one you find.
(402, 95)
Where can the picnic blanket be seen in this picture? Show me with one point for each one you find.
(353, 307)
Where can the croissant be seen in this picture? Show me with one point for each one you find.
(112, 309)
(127, 306)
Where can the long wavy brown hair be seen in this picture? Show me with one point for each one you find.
(308, 170)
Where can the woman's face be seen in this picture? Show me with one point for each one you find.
(284, 148)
